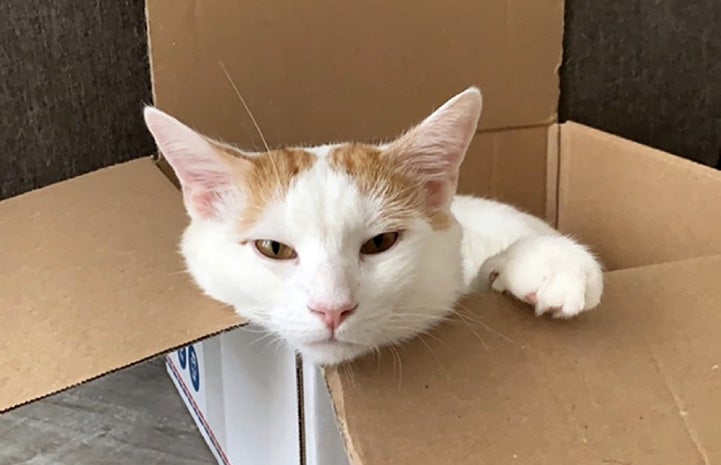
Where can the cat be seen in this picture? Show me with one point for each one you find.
(344, 248)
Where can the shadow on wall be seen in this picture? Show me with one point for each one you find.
(73, 79)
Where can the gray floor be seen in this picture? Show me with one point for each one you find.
(133, 417)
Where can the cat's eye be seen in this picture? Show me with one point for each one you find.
(379, 243)
(275, 250)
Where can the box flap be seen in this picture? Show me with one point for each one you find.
(91, 280)
(491, 167)
(638, 381)
(636, 205)
(329, 75)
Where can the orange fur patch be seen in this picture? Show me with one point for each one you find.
(267, 177)
(377, 175)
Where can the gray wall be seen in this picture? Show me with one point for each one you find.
(74, 77)
(649, 70)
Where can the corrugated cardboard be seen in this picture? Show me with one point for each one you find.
(510, 166)
(636, 381)
(91, 280)
(368, 71)
(636, 205)
(328, 70)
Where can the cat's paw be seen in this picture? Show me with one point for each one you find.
(553, 273)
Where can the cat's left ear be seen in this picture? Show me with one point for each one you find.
(435, 149)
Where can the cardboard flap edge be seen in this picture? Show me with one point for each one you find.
(91, 280)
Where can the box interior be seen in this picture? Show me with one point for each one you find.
(635, 205)
(637, 380)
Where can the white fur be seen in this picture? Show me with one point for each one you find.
(400, 292)
(326, 219)
(528, 257)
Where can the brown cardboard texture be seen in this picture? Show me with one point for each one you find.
(91, 280)
(636, 381)
(349, 72)
(333, 70)
(510, 166)
(635, 205)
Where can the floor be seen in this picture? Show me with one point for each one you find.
(131, 417)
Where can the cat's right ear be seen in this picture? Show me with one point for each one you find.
(206, 173)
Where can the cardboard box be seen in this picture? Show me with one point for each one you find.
(91, 280)
(635, 382)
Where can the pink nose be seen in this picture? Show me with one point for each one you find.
(334, 315)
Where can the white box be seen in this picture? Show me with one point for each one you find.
(242, 391)
(323, 441)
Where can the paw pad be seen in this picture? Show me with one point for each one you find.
(531, 298)
(493, 276)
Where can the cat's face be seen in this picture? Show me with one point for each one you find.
(338, 249)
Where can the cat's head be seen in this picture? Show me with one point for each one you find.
(339, 249)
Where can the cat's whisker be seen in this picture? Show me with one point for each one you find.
(349, 374)
(276, 344)
(378, 355)
(413, 335)
(417, 317)
(265, 337)
(489, 328)
(397, 356)
(245, 105)
(434, 337)
(473, 330)
(252, 118)
(344, 370)
(248, 329)
(428, 346)
(174, 273)
(391, 349)
(422, 315)
(272, 343)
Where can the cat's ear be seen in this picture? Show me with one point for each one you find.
(206, 173)
(435, 149)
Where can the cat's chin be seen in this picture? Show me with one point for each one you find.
(329, 353)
